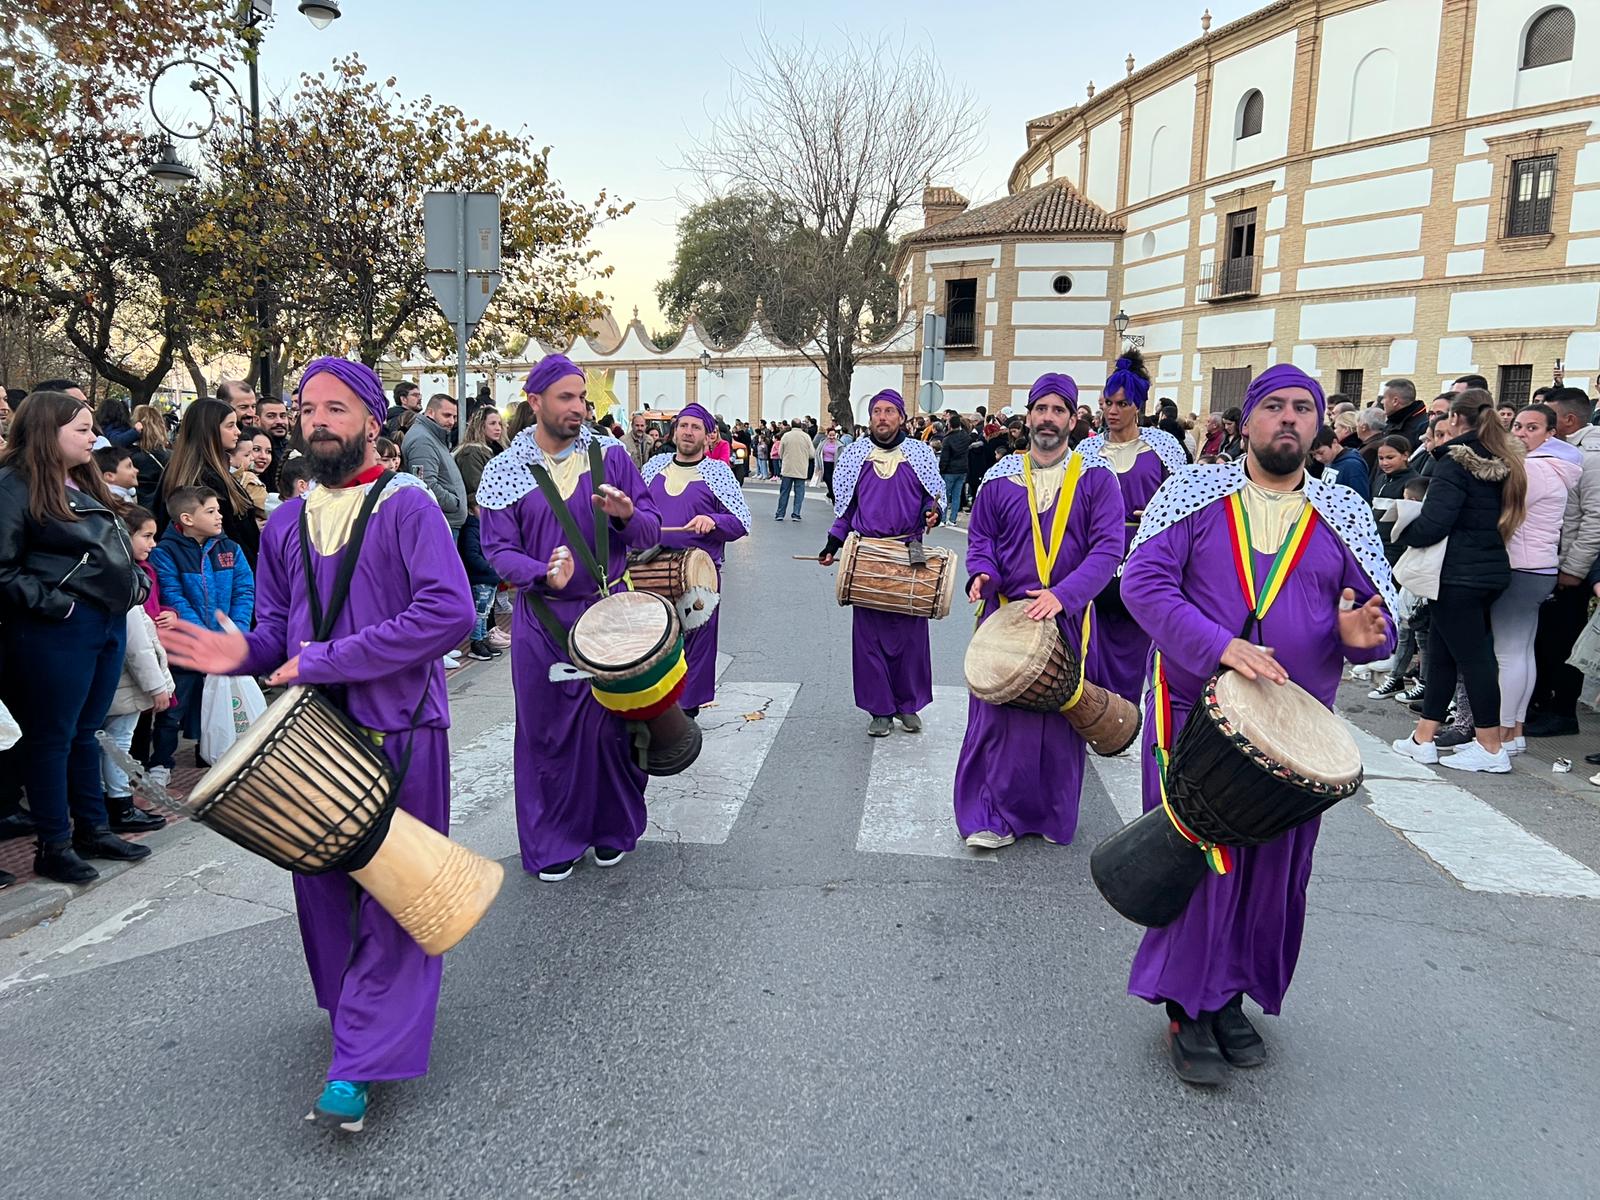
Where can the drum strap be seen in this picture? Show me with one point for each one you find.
(1218, 857)
(1259, 594)
(594, 558)
(1044, 557)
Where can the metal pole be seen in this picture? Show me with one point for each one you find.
(461, 316)
(264, 387)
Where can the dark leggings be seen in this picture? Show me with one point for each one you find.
(1460, 639)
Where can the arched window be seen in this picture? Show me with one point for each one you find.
(1250, 109)
(1549, 38)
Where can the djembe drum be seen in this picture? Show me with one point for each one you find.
(307, 789)
(630, 644)
(687, 577)
(879, 573)
(1254, 760)
(1017, 661)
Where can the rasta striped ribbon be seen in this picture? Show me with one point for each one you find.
(1218, 857)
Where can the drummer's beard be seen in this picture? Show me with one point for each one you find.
(1281, 463)
(331, 461)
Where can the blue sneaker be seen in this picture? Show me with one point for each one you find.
(342, 1105)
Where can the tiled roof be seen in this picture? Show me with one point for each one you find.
(942, 195)
(1055, 207)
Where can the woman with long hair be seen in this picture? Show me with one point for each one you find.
(150, 452)
(67, 580)
(1477, 498)
(206, 438)
(486, 437)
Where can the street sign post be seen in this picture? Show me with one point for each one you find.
(461, 236)
(933, 332)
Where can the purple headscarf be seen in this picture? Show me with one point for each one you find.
(358, 377)
(1052, 383)
(1134, 387)
(549, 369)
(892, 396)
(1284, 375)
(695, 412)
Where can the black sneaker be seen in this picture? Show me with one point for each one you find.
(7, 879)
(794, 517)
(1238, 1040)
(60, 862)
(102, 843)
(605, 856)
(556, 872)
(1452, 736)
(1192, 1045)
(1550, 725)
(481, 651)
(1412, 694)
(128, 817)
(1391, 686)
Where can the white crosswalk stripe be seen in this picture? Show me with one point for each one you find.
(1120, 777)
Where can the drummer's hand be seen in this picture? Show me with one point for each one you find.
(286, 674)
(825, 559)
(975, 592)
(613, 502)
(1253, 661)
(931, 517)
(701, 524)
(1044, 604)
(1362, 628)
(559, 569)
(196, 648)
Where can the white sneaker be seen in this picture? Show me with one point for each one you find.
(1515, 746)
(1422, 752)
(1361, 672)
(160, 775)
(986, 839)
(452, 660)
(1473, 757)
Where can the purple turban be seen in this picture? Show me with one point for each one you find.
(695, 412)
(1284, 375)
(1051, 383)
(358, 377)
(549, 369)
(1134, 386)
(892, 396)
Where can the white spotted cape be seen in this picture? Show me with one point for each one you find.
(1166, 447)
(509, 475)
(854, 456)
(1010, 466)
(716, 475)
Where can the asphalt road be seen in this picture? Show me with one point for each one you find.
(803, 986)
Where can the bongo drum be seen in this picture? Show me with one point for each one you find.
(686, 577)
(1017, 661)
(1254, 760)
(878, 573)
(305, 788)
(631, 645)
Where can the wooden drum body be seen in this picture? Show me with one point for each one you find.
(878, 573)
(688, 578)
(306, 789)
(631, 644)
(1254, 760)
(1017, 661)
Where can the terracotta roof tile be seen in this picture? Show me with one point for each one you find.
(1055, 207)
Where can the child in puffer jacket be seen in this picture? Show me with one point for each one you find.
(146, 683)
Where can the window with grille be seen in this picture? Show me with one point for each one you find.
(1228, 385)
(1350, 386)
(1532, 196)
(1250, 111)
(1515, 385)
(961, 312)
(1549, 39)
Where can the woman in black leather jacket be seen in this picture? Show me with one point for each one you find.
(67, 580)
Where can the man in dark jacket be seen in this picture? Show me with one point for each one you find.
(955, 462)
(407, 398)
(1408, 416)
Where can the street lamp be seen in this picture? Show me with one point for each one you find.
(170, 173)
(705, 364)
(320, 13)
(1121, 322)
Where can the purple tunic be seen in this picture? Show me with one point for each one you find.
(1120, 646)
(891, 661)
(1022, 772)
(700, 646)
(1241, 932)
(409, 602)
(577, 785)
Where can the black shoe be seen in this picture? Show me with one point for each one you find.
(1452, 736)
(102, 843)
(1192, 1045)
(1238, 1040)
(1550, 725)
(692, 713)
(128, 817)
(15, 825)
(7, 879)
(481, 651)
(604, 856)
(59, 861)
(556, 872)
(1592, 759)
(794, 517)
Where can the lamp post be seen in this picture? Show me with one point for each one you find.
(1121, 322)
(705, 365)
(171, 173)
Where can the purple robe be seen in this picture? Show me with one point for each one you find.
(1022, 772)
(409, 603)
(890, 660)
(576, 781)
(1121, 646)
(1241, 932)
(696, 500)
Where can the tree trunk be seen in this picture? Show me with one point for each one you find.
(196, 375)
(840, 371)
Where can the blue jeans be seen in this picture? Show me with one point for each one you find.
(182, 717)
(795, 487)
(112, 777)
(953, 486)
(483, 601)
(72, 668)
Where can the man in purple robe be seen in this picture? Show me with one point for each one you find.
(887, 486)
(1241, 932)
(1021, 772)
(578, 786)
(700, 496)
(408, 603)
(1143, 458)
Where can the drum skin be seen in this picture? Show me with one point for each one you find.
(877, 573)
(687, 577)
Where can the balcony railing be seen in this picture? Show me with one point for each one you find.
(961, 328)
(1230, 278)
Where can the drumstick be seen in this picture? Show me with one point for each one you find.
(674, 529)
(804, 557)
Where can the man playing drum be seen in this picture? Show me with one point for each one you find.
(1257, 566)
(886, 486)
(693, 490)
(1046, 532)
(408, 603)
(552, 529)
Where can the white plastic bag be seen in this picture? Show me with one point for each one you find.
(1586, 650)
(228, 706)
(10, 731)
(1419, 568)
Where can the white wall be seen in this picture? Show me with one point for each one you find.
(1068, 162)
(1105, 157)
(1268, 67)
(1163, 134)
(728, 397)
(789, 392)
(662, 387)
(1556, 304)
(871, 378)
(1377, 71)
(1497, 82)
